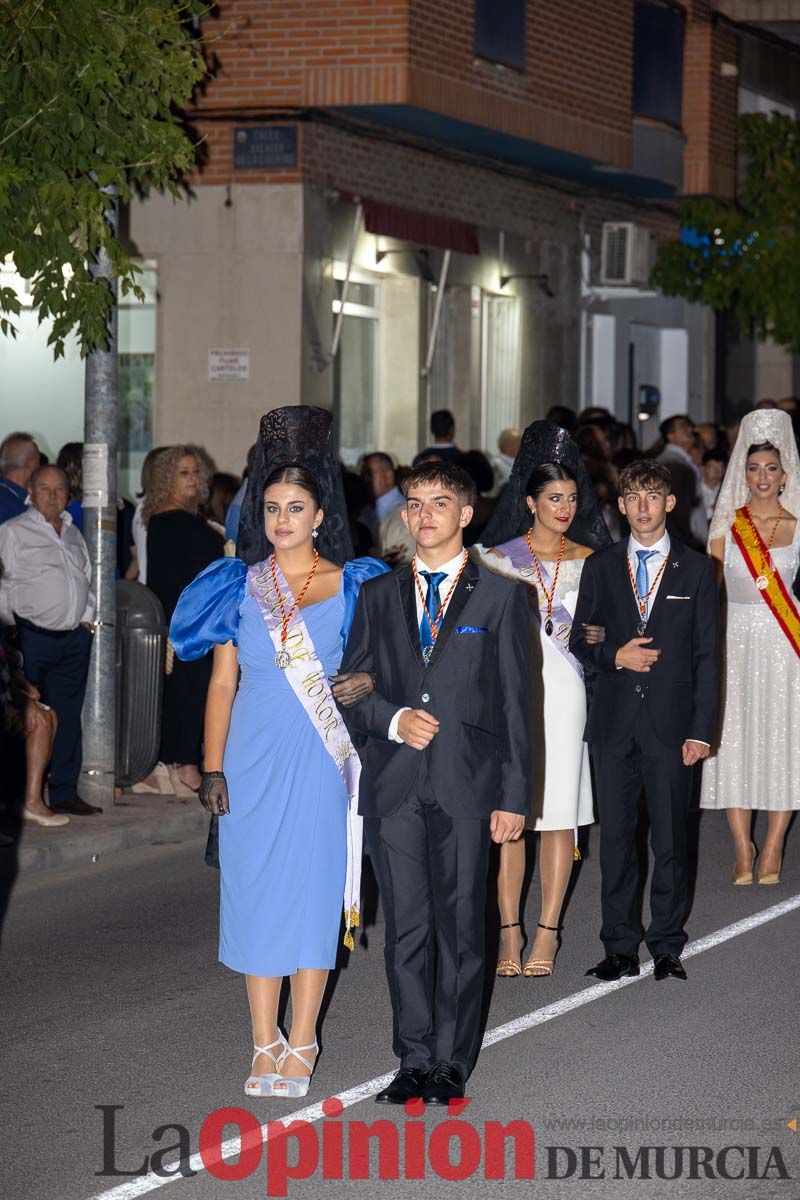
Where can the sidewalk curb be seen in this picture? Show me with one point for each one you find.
(134, 821)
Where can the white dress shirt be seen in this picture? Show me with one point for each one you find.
(451, 569)
(661, 548)
(45, 576)
(390, 500)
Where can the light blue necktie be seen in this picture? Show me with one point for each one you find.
(642, 579)
(433, 602)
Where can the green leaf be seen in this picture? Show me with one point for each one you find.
(88, 99)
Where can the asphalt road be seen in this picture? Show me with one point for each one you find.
(111, 996)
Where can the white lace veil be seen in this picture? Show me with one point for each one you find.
(763, 425)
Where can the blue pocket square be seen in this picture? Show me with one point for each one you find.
(471, 629)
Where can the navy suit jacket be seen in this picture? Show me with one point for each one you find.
(681, 692)
(477, 685)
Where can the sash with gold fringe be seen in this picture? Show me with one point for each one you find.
(767, 578)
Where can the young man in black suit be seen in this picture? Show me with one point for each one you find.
(446, 771)
(652, 716)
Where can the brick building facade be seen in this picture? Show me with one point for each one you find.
(405, 144)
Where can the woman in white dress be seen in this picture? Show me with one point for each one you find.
(755, 538)
(548, 496)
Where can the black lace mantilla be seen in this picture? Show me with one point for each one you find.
(544, 442)
(297, 435)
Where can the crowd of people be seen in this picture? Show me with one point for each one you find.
(517, 643)
(554, 670)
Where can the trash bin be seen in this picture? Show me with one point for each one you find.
(141, 649)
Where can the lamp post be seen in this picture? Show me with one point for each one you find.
(100, 531)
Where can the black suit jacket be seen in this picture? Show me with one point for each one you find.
(681, 692)
(477, 685)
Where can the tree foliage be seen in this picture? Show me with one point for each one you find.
(89, 99)
(744, 256)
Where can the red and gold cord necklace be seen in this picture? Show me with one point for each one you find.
(762, 581)
(283, 658)
(551, 595)
(641, 601)
(434, 623)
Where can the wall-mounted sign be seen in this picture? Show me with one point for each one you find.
(264, 146)
(227, 365)
(95, 475)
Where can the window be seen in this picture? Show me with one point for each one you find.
(500, 367)
(137, 371)
(355, 379)
(658, 62)
(500, 32)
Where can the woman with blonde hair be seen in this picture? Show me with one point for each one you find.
(180, 544)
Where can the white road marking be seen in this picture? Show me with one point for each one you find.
(143, 1184)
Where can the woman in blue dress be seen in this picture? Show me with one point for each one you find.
(279, 769)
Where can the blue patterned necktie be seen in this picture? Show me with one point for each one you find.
(642, 579)
(433, 602)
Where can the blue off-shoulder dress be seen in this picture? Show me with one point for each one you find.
(283, 845)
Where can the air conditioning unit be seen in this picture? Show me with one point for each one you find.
(627, 254)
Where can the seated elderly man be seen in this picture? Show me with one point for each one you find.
(22, 715)
(45, 592)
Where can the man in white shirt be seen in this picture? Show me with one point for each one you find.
(446, 770)
(377, 471)
(508, 445)
(45, 591)
(652, 715)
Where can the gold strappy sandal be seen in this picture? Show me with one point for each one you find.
(538, 968)
(509, 968)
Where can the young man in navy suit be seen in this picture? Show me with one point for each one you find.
(446, 771)
(652, 716)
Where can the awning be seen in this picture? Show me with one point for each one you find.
(423, 229)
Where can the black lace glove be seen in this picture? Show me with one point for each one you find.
(349, 687)
(214, 793)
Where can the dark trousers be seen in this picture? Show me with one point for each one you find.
(58, 665)
(431, 871)
(638, 759)
(184, 709)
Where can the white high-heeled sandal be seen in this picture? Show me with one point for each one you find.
(293, 1087)
(261, 1085)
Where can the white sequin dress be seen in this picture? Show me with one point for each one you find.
(757, 762)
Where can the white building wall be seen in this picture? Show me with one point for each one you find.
(229, 277)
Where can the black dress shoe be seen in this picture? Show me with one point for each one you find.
(77, 807)
(444, 1083)
(614, 966)
(406, 1085)
(668, 964)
